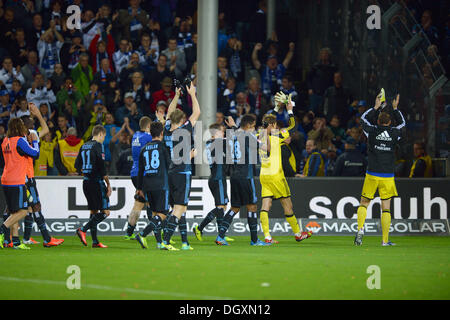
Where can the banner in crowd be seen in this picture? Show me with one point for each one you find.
(313, 198)
(278, 227)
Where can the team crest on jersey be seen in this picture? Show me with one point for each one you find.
(384, 136)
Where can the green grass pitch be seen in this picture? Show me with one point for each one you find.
(317, 268)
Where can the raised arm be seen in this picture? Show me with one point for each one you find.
(173, 103)
(255, 60)
(195, 105)
(289, 55)
(35, 112)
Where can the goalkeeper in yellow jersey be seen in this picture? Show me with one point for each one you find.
(273, 182)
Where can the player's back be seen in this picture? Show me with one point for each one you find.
(179, 143)
(154, 165)
(90, 160)
(216, 154)
(140, 139)
(271, 162)
(244, 146)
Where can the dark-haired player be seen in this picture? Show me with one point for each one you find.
(178, 138)
(153, 183)
(34, 208)
(140, 139)
(15, 150)
(244, 146)
(382, 139)
(91, 163)
(216, 153)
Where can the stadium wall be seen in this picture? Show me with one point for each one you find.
(313, 198)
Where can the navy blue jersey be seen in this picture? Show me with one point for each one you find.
(154, 161)
(140, 139)
(245, 154)
(217, 153)
(91, 161)
(179, 143)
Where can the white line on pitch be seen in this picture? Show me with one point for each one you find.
(108, 288)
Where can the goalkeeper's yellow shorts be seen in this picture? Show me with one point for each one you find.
(274, 187)
(385, 186)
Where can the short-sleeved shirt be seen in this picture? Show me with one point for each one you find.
(179, 143)
(140, 139)
(91, 161)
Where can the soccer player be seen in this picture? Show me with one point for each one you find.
(273, 182)
(177, 137)
(91, 163)
(15, 149)
(153, 183)
(216, 153)
(382, 139)
(244, 146)
(34, 208)
(140, 139)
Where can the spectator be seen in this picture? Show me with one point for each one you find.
(315, 164)
(132, 22)
(356, 133)
(183, 33)
(422, 166)
(352, 162)
(19, 108)
(337, 131)
(43, 166)
(234, 55)
(258, 24)
(255, 97)
(30, 69)
(222, 74)
(7, 26)
(5, 108)
(111, 130)
(130, 110)
(100, 50)
(148, 55)
(191, 52)
(320, 78)
(90, 26)
(82, 75)
(69, 99)
(37, 30)
(321, 134)
(227, 98)
(287, 87)
(220, 118)
(98, 115)
(337, 100)
(66, 153)
(8, 74)
(122, 56)
(112, 96)
(131, 68)
(272, 72)
(19, 48)
(104, 75)
(40, 93)
(426, 26)
(49, 49)
(121, 158)
(63, 127)
(175, 57)
(161, 71)
(45, 112)
(165, 94)
(161, 111)
(242, 107)
(71, 52)
(330, 160)
(141, 91)
(58, 78)
(16, 91)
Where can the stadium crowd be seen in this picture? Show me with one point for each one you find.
(120, 66)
